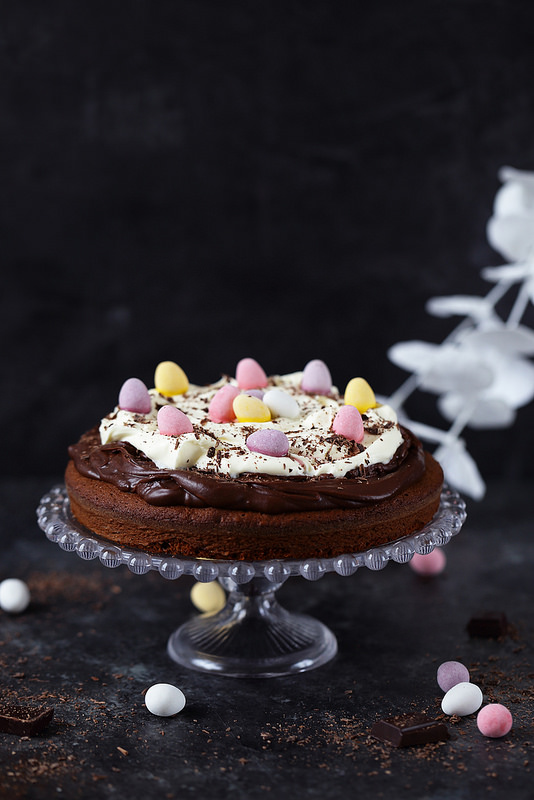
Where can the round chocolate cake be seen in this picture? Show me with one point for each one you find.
(251, 468)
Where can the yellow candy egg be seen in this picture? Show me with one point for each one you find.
(170, 379)
(359, 394)
(208, 597)
(250, 409)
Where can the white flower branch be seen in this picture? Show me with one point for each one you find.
(480, 372)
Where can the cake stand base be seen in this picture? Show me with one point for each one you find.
(252, 636)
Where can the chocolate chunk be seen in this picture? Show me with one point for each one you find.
(406, 730)
(489, 625)
(24, 720)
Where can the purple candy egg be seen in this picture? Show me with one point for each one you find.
(268, 442)
(450, 673)
(316, 378)
(134, 396)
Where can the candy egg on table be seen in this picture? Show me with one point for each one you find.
(494, 720)
(360, 395)
(450, 673)
(428, 564)
(463, 699)
(208, 597)
(170, 379)
(250, 409)
(14, 596)
(164, 699)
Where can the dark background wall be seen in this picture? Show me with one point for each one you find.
(202, 181)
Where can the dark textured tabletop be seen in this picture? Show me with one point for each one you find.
(94, 639)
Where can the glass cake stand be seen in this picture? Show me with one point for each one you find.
(252, 636)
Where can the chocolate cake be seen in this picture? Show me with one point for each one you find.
(251, 468)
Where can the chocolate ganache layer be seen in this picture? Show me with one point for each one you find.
(126, 468)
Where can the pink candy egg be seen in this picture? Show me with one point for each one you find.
(348, 423)
(494, 720)
(134, 396)
(316, 378)
(450, 673)
(249, 374)
(431, 564)
(268, 442)
(221, 408)
(173, 422)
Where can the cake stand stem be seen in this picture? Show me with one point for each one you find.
(252, 636)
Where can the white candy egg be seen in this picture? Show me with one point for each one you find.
(164, 699)
(14, 596)
(464, 698)
(281, 404)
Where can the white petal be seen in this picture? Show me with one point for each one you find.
(512, 236)
(413, 356)
(463, 305)
(488, 413)
(530, 289)
(511, 199)
(460, 470)
(456, 368)
(513, 383)
(518, 175)
(511, 341)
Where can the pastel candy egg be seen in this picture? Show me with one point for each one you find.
(268, 442)
(255, 393)
(494, 720)
(208, 597)
(360, 395)
(463, 699)
(348, 423)
(450, 673)
(249, 374)
(221, 405)
(170, 379)
(164, 699)
(281, 404)
(134, 396)
(430, 563)
(14, 596)
(250, 409)
(316, 378)
(173, 422)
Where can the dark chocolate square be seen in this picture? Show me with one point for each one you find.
(488, 625)
(407, 730)
(24, 720)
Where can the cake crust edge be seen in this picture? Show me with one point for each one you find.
(126, 519)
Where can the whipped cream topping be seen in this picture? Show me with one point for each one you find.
(220, 448)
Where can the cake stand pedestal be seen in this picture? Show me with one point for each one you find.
(252, 636)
